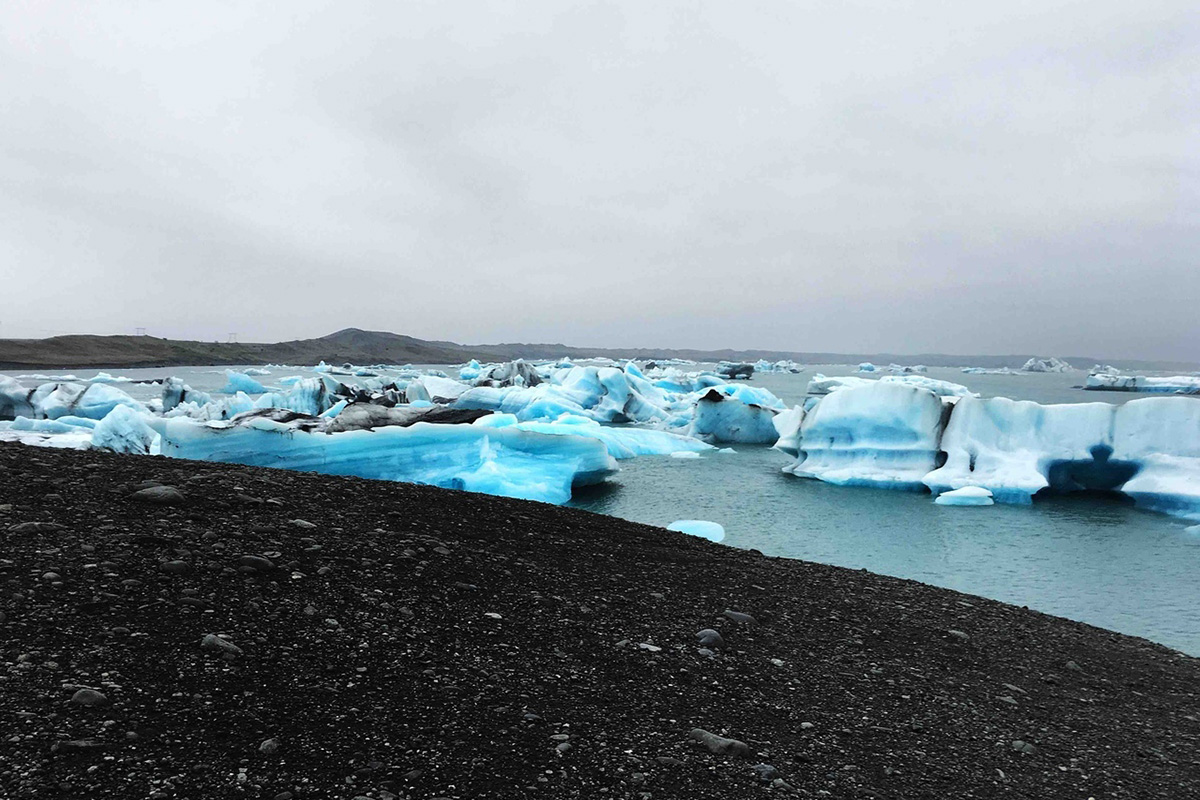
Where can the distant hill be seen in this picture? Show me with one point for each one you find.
(381, 347)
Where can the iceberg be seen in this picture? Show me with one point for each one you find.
(699, 527)
(883, 434)
(175, 391)
(821, 385)
(1161, 436)
(256, 372)
(93, 401)
(966, 496)
(124, 430)
(622, 442)
(896, 436)
(725, 417)
(1047, 365)
(306, 396)
(735, 370)
(470, 371)
(104, 377)
(15, 399)
(241, 382)
(503, 461)
(1113, 382)
(1017, 448)
(762, 365)
(867, 366)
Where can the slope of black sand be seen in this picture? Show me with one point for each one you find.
(422, 643)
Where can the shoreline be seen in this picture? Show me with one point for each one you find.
(421, 643)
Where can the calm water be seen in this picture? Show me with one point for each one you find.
(1087, 558)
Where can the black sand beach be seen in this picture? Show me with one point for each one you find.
(274, 634)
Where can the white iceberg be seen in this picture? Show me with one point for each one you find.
(1114, 382)
(821, 385)
(1047, 365)
(699, 527)
(882, 434)
(966, 496)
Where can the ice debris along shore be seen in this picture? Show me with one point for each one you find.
(891, 435)
(514, 429)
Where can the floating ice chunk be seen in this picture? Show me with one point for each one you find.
(104, 377)
(256, 372)
(124, 430)
(15, 399)
(685, 454)
(503, 461)
(966, 496)
(787, 427)
(94, 401)
(1177, 384)
(762, 365)
(622, 441)
(175, 391)
(66, 424)
(307, 396)
(470, 371)
(735, 369)
(720, 417)
(881, 434)
(1047, 365)
(223, 409)
(73, 438)
(240, 382)
(435, 389)
(989, 371)
(699, 527)
(867, 366)
(1017, 448)
(1161, 436)
(820, 385)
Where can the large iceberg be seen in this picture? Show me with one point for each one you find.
(1051, 364)
(1113, 382)
(54, 400)
(882, 434)
(504, 461)
(1011, 447)
(892, 435)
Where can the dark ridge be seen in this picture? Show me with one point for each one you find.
(261, 633)
(380, 347)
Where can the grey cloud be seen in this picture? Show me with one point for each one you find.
(929, 177)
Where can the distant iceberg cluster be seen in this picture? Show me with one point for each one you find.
(515, 429)
(888, 434)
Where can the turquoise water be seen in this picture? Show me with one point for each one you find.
(1088, 558)
(1092, 559)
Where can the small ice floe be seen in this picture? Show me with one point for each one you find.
(685, 454)
(966, 496)
(699, 527)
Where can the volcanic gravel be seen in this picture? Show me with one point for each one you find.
(261, 633)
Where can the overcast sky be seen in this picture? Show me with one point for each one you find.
(929, 177)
